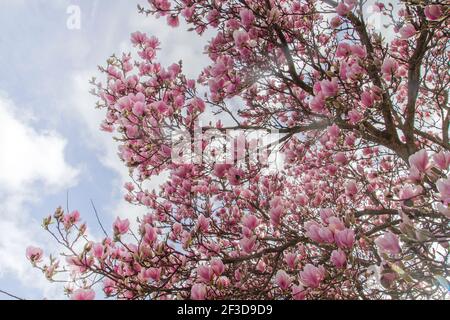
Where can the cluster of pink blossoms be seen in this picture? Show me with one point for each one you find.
(359, 208)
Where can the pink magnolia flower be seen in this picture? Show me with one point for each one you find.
(248, 244)
(329, 87)
(223, 282)
(83, 294)
(203, 223)
(250, 221)
(153, 273)
(335, 22)
(340, 158)
(221, 169)
(173, 21)
(217, 266)
(138, 38)
(261, 266)
(177, 228)
(108, 286)
(240, 37)
(343, 49)
(443, 186)
(198, 292)
(409, 192)
(312, 276)
(312, 231)
(345, 238)
(34, 254)
(444, 209)
(326, 235)
(326, 214)
(342, 9)
(161, 107)
(276, 214)
(139, 108)
(121, 226)
(282, 279)
(358, 51)
(433, 12)
(151, 234)
(124, 103)
(367, 99)
(335, 224)
(389, 66)
(129, 186)
(414, 174)
(351, 189)
(205, 274)
(407, 31)
(317, 104)
(442, 160)
(388, 243)
(420, 160)
(247, 17)
(71, 218)
(188, 12)
(333, 131)
(291, 259)
(338, 258)
(354, 116)
(298, 292)
(98, 250)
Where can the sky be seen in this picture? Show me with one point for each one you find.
(51, 148)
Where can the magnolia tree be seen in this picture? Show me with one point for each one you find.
(358, 206)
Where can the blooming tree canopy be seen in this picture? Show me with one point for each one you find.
(358, 207)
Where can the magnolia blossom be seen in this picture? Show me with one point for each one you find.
(247, 17)
(389, 66)
(121, 226)
(410, 192)
(420, 161)
(342, 9)
(338, 258)
(312, 276)
(407, 31)
(433, 12)
(205, 273)
(198, 292)
(71, 218)
(250, 221)
(291, 259)
(298, 292)
(217, 266)
(34, 254)
(442, 160)
(345, 238)
(248, 244)
(389, 243)
(83, 294)
(282, 279)
(443, 186)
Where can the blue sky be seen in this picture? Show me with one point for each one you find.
(49, 137)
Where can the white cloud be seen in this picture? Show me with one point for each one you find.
(28, 156)
(32, 165)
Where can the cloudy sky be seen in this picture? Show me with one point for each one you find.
(50, 144)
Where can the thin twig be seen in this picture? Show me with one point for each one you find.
(98, 219)
(11, 295)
